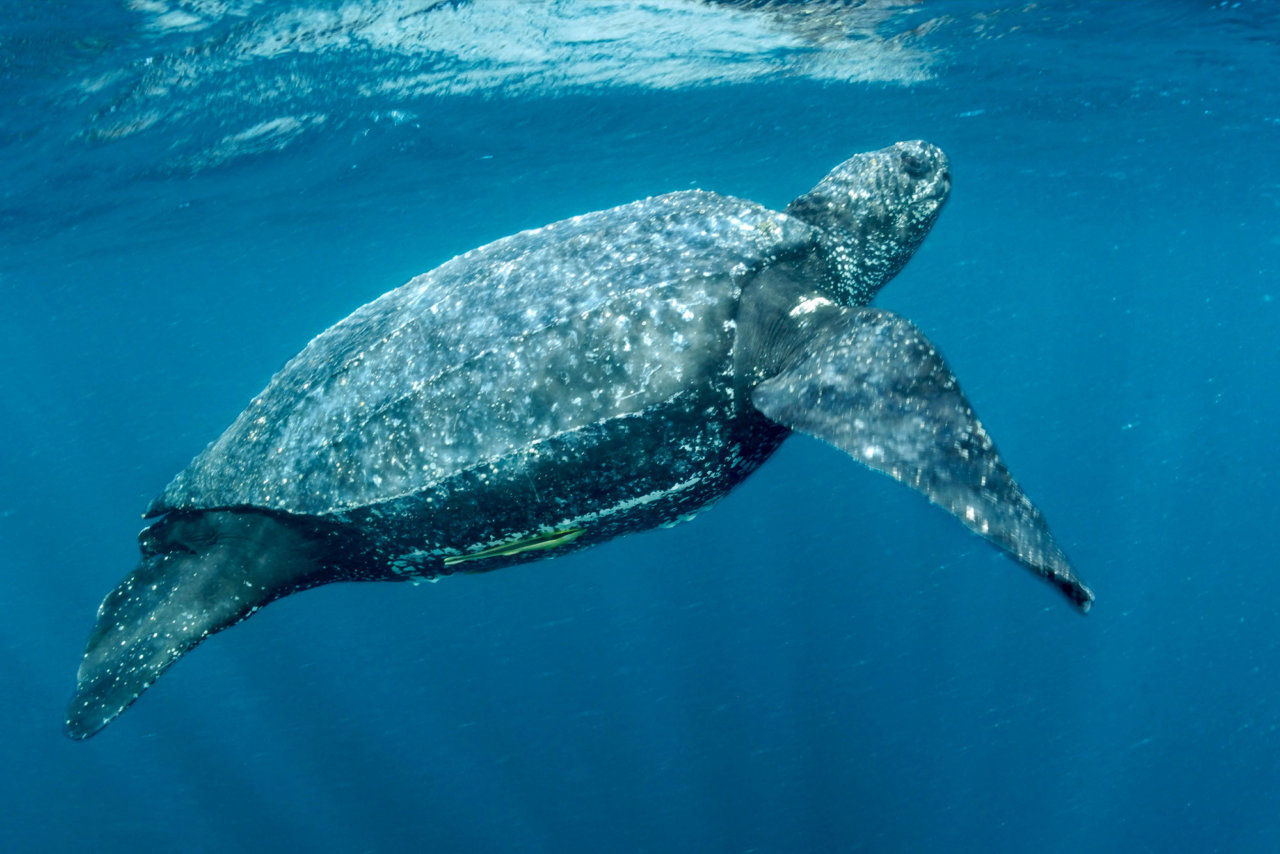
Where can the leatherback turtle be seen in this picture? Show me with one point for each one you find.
(609, 373)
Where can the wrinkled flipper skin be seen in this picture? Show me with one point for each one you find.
(199, 574)
(871, 384)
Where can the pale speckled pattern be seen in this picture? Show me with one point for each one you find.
(875, 210)
(873, 386)
(532, 336)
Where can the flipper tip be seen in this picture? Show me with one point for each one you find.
(1075, 590)
(83, 721)
(104, 690)
(1085, 602)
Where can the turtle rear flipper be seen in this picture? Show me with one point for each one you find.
(871, 384)
(200, 573)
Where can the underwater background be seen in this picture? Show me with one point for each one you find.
(191, 189)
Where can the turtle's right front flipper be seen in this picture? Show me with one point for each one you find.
(871, 384)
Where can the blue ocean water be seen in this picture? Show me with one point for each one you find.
(190, 190)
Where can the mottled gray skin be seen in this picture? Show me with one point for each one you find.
(610, 373)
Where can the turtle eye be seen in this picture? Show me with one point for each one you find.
(914, 165)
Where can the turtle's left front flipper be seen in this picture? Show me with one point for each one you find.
(871, 384)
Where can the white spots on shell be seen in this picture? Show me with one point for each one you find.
(533, 336)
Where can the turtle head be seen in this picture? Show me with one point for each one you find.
(874, 210)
